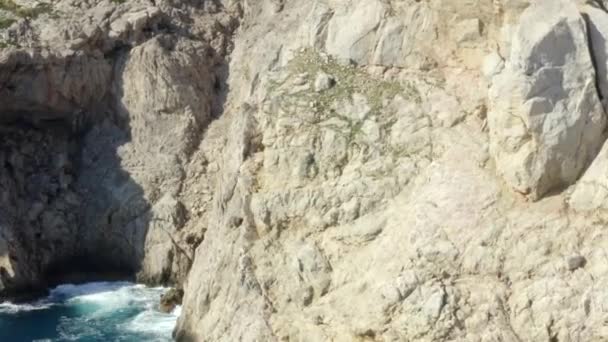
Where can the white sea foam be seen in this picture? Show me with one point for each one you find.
(68, 291)
(110, 297)
(151, 321)
(10, 308)
(99, 303)
(108, 294)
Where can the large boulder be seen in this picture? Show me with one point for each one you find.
(545, 116)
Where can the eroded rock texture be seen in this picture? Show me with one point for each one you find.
(546, 120)
(408, 198)
(103, 104)
(328, 170)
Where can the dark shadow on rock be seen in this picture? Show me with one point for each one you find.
(77, 201)
(68, 209)
(182, 336)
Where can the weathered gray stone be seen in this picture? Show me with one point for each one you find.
(576, 262)
(597, 25)
(545, 117)
(297, 208)
(85, 92)
(323, 82)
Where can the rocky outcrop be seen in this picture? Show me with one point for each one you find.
(546, 120)
(170, 300)
(106, 103)
(434, 172)
(374, 208)
(39, 214)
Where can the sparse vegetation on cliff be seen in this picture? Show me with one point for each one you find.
(25, 12)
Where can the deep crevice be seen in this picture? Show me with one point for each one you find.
(591, 48)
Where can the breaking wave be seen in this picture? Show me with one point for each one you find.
(101, 311)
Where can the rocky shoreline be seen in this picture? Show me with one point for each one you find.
(353, 170)
(94, 162)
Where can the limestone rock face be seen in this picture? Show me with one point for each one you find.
(328, 170)
(123, 96)
(374, 209)
(597, 26)
(48, 83)
(164, 94)
(589, 194)
(39, 197)
(545, 117)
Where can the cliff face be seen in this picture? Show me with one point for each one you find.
(103, 105)
(402, 170)
(316, 170)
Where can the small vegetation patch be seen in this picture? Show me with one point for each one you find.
(25, 12)
(4, 44)
(6, 22)
(9, 5)
(349, 80)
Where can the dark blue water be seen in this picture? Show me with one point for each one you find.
(93, 312)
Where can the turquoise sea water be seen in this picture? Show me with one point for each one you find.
(103, 311)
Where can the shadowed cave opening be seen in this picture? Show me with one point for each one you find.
(63, 196)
